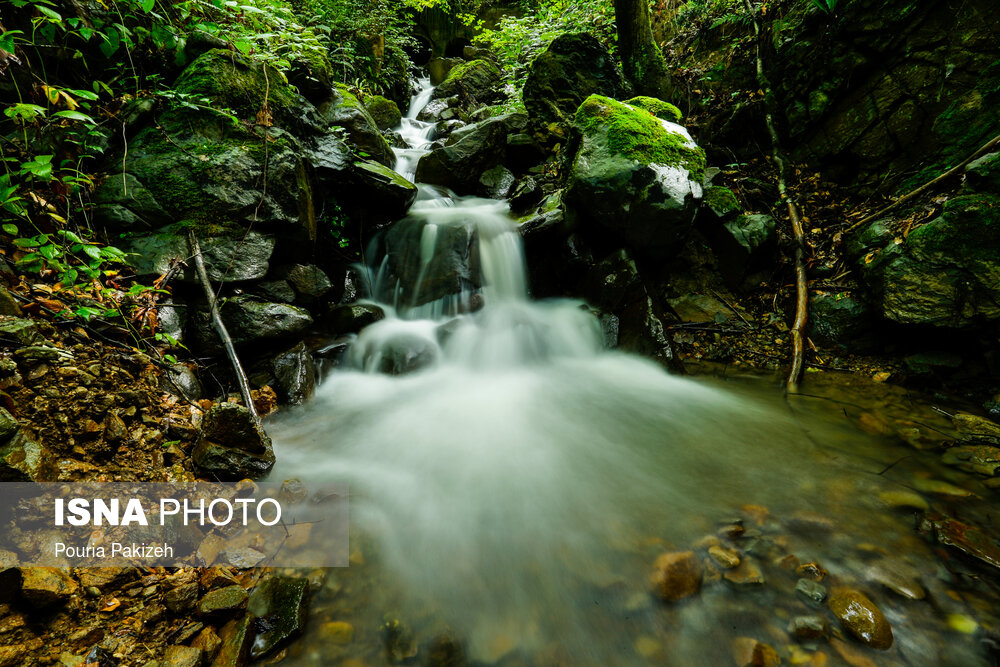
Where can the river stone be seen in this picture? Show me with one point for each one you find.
(749, 652)
(383, 111)
(231, 254)
(353, 317)
(571, 68)
(811, 591)
(344, 110)
(45, 586)
(379, 190)
(980, 459)
(250, 319)
(808, 627)
(181, 598)
(223, 601)
(452, 269)
(23, 460)
(231, 445)
(281, 606)
(8, 425)
(470, 152)
(308, 281)
(20, 330)
(236, 637)
(675, 576)
(182, 656)
(860, 617)
(296, 375)
(635, 176)
(745, 575)
(975, 429)
(983, 174)
(945, 273)
(496, 183)
(478, 79)
(181, 380)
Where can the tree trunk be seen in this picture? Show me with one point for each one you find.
(641, 57)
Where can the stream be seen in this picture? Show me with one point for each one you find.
(510, 493)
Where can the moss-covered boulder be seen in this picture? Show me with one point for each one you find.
(983, 175)
(572, 68)
(384, 112)
(657, 107)
(721, 202)
(838, 319)
(344, 110)
(478, 79)
(470, 152)
(380, 190)
(945, 273)
(634, 175)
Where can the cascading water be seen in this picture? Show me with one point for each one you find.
(516, 486)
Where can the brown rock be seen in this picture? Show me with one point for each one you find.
(337, 632)
(43, 586)
(748, 652)
(182, 656)
(223, 601)
(812, 571)
(746, 574)
(236, 638)
(808, 627)
(675, 576)
(851, 654)
(208, 642)
(182, 597)
(727, 558)
(860, 618)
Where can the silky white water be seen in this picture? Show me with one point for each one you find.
(516, 486)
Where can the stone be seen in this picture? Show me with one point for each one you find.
(945, 272)
(378, 190)
(749, 652)
(979, 459)
(745, 575)
(344, 110)
(181, 598)
(353, 317)
(811, 591)
(496, 183)
(8, 425)
(634, 176)
(309, 281)
(251, 321)
(296, 375)
(181, 380)
(898, 577)
(236, 638)
(20, 330)
(860, 617)
(808, 627)
(700, 308)
(837, 318)
(281, 607)
(182, 656)
(383, 111)
(453, 267)
(223, 601)
(24, 460)
(903, 499)
(571, 68)
(337, 632)
(725, 558)
(231, 444)
(743, 245)
(46, 586)
(675, 576)
(718, 204)
(478, 79)
(657, 107)
(975, 429)
(9, 306)
(208, 641)
(983, 174)
(470, 152)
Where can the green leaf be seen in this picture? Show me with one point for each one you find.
(112, 41)
(75, 115)
(85, 94)
(147, 5)
(93, 251)
(69, 277)
(51, 13)
(10, 229)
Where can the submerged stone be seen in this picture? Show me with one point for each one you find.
(860, 617)
(676, 576)
(281, 607)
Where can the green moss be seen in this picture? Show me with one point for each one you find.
(474, 67)
(384, 111)
(639, 135)
(658, 108)
(721, 200)
(968, 230)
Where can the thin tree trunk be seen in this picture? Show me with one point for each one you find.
(641, 58)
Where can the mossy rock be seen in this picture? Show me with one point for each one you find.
(721, 201)
(346, 111)
(312, 75)
(658, 108)
(479, 79)
(635, 175)
(946, 273)
(983, 175)
(384, 112)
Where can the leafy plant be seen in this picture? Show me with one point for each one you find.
(825, 5)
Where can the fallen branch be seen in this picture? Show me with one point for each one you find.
(220, 327)
(801, 288)
(992, 143)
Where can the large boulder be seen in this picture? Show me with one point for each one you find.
(634, 175)
(479, 80)
(383, 111)
(378, 190)
(571, 69)
(471, 151)
(945, 273)
(250, 320)
(452, 268)
(344, 110)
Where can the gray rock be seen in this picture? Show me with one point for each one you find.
(20, 330)
(296, 375)
(454, 266)
(811, 591)
(496, 183)
(379, 190)
(344, 110)
(983, 175)
(282, 603)
(231, 445)
(251, 320)
(276, 290)
(182, 380)
(308, 281)
(837, 319)
(353, 317)
(472, 151)
(742, 245)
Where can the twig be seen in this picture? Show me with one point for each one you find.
(220, 327)
(992, 143)
(801, 288)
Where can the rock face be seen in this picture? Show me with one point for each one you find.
(634, 175)
(571, 69)
(478, 79)
(231, 446)
(453, 268)
(283, 603)
(945, 273)
(860, 618)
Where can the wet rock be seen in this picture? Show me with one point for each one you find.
(527, 194)
(236, 638)
(571, 68)
(837, 318)
(383, 111)
(745, 575)
(223, 601)
(182, 656)
(808, 627)
(644, 191)
(860, 617)
(980, 459)
(8, 425)
(23, 460)
(208, 641)
(964, 537)
(296, 374)
(231, 254)
(308, 281)
(275, 290)
(743, 245)
(902, 499)
(445, 651)
(897, 577)
(973, 428)
(181, 598)
(453, 267)
(181, 380)
(700, 308)
(944, 272)
(344, 110)
(471, 152)
(749, 652)
(231, 444)
(496, 183)
(45, 586)
(337, 632)
(281, 607)
(725, 558)
(378, 190)
(983, 174)
(20, 330)
(353, 317)
(851, 654)
(478, 79)
(811, 570)
(811, 591)
(675, 576)
(250, 320)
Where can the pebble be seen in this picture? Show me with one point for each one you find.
(811, 591)
(748, 652)
(727, 558)
(904, 500)
(675, 576)
(812, 571)
(808, 627)
(746, 574)
(860, 617)
(898, 578)
(337, 632)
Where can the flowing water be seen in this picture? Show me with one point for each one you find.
(513, 490)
